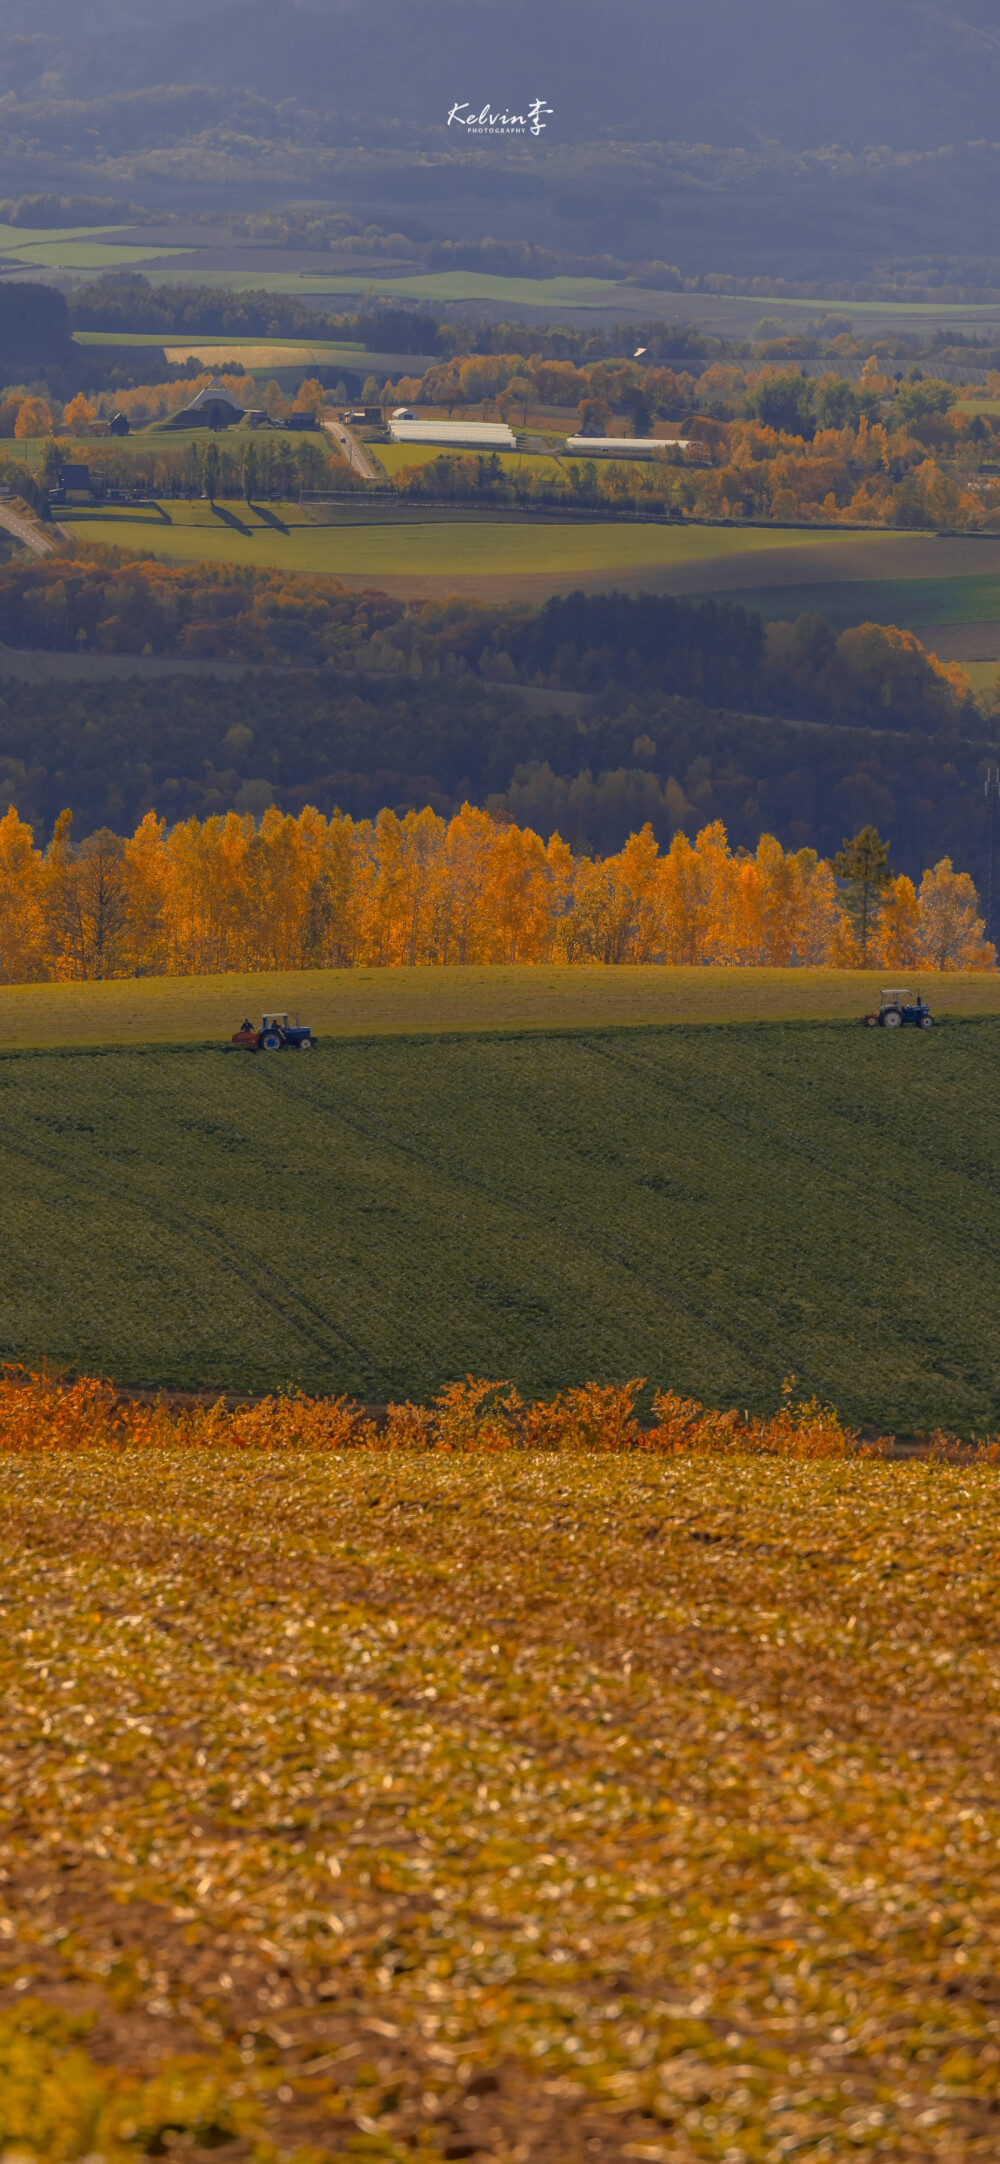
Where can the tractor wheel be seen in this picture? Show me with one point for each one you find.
(871, 1021)
(927, 1021)
(305, 1044)
(891, 1020)
(271, 1042)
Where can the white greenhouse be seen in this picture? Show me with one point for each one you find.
(624, 446)
(455, 435)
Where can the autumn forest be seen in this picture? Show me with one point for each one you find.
(233, 894)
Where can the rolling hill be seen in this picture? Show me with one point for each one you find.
(831, 71)
(710, 1207)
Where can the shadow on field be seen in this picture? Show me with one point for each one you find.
(229, 518)
(268, 518)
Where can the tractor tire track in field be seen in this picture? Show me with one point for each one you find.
(711, 1208)
(856, 1185)
(709, 1315)
(923, 1212)
(729, 1112)
(292, 1306)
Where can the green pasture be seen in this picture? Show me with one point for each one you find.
(393, 456)
(93, 255)
(234, 440)
(702, 305)
(141, 1011)
(83, 248)
(160, 339)
(20, 239)
(430, 286)
(605, 294)
(983, 676)
(911, 603)
(283, 535)
(711, 1208)
(25, 451)
(301, 352)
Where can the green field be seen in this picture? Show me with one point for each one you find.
(159, 339)
(525, 554)
(429, 286)
(331, 354)
(15, 237)
(909, 602)
(394, 455)
(615, 301)
(86, 248)
(479, 547)
(85, 253)
(710, 1208)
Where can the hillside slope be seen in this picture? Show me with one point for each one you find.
(908, 73)
(709, 1208)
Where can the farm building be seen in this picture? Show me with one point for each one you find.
(214, 407)
(624, 446)
(75, 484)
(455, 435)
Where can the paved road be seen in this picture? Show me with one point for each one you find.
(34, 537)
(353, 451)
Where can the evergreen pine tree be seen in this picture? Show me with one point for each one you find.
(251, 472)
(863, 864)
(210, 465)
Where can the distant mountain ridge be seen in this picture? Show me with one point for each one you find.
(909, 74)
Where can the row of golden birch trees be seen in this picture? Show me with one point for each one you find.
(233, 893)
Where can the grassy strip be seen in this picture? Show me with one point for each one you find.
(378, 1805)
(363, 1002)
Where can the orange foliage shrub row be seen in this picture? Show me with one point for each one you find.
(225, 894)
(40, 1414)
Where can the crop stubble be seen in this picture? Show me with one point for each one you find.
(538, 1807)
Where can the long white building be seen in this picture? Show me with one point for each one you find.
(624, 446)
(455, 435)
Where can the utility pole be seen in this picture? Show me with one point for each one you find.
(992, 794)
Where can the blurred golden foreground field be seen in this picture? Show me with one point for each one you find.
(529, 1803)
(367, 1002)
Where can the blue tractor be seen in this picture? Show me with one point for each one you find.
(276, 1034)
(895, 1008)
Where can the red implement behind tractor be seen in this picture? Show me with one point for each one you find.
(276, 1034)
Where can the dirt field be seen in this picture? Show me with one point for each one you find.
(563, 1808)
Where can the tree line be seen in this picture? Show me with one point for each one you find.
(193, 745)
(235, 893)
(96, 599)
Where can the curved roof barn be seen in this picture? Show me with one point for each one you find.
(214, 407)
